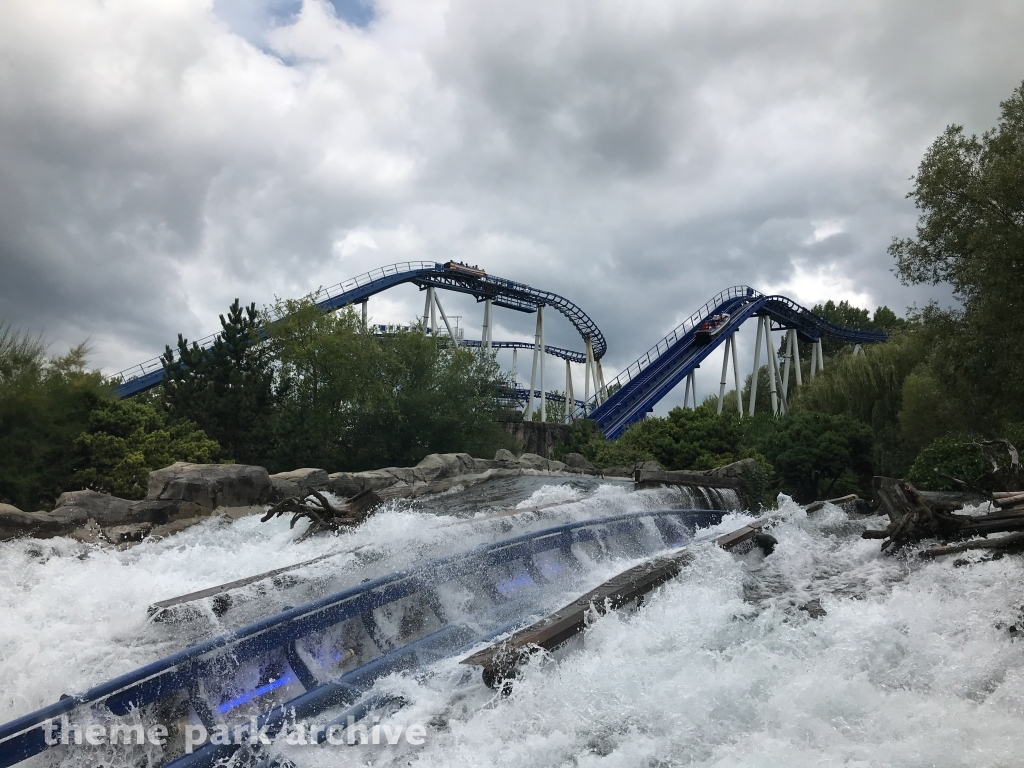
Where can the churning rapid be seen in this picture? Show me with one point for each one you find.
(914, 663)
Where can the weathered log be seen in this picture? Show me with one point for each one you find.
(1008, 500)
(818, 505)
(1005, 543)
(912, 519)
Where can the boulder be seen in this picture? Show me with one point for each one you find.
(578, 461)
(299, 482)
(533, 461)
(735, 470)
(484, 465)
(557, 466)
(505, 457)
(15, 523)
(77, 507)
(438, 466)
(348, 484)
(211, 485)
(619, 471)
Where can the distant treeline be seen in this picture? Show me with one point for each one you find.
(313, 389)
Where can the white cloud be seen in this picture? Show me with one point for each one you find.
(156, 162)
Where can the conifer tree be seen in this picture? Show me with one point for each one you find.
(227, 388)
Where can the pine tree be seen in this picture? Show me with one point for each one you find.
(227, 388)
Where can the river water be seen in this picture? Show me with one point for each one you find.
(916, 663)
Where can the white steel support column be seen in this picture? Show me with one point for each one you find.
(686, 391)
(588, 370)
(725, 374)
(570, 398)
(485, 334)
(757, 366)
(444, 317)
(543, 354)
(600, 378)
(427, 308)
(691, 384)
(821, 357)
(814, 358)
(796, 361)
(433, 311)
(788, 361)
(736, 375)
(364, 303)
(778, 396)
(514, 361)
(537, 341)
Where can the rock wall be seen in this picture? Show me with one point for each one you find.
(538, 438)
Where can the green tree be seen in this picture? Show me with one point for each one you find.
(815, 455)
(44, 405)
(227, 388)
(848, 316)
(126, 440)
(870, 388)
(351, 399)
(970, 234)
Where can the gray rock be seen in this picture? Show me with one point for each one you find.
(484, 465)
(124, 534)
(348, 484)
(578, 461)
(505, 456)
(15, 523)
(77, 507)
(620, 471)
(557, 466)
(211, 485)
(438, 466)
(299, 482)
(533, 461)
(734, 470)
(90, 533)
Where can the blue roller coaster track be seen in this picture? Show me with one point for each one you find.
(628, 397)
(449, 276)
(616, 405)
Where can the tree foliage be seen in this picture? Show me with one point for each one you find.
(351, 399)
(848, 316)
(125, 440)
(970, 234)
(44, 405)
(227, 388)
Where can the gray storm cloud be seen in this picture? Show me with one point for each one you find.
(158, 160)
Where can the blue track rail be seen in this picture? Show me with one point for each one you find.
(311, 690)
(423, 274)
(635, 391)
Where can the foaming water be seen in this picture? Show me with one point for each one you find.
(913, 665)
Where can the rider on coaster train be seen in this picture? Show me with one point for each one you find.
(710, 328)
(458, 266)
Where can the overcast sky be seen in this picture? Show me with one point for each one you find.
(159, 159)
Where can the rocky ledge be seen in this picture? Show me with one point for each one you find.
(183, 494)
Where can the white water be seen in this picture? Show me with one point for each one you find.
(914, 664)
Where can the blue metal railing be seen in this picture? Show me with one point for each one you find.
(631, 394)
(508, 293)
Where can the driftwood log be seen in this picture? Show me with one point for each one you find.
(323, 516)
(912, 517)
